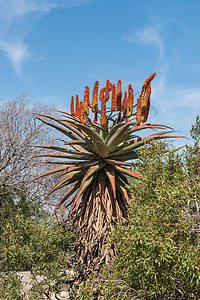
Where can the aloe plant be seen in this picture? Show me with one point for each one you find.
(95, 160)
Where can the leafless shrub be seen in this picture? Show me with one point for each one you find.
(18, 129)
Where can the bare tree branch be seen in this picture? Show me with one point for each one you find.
(18, 128)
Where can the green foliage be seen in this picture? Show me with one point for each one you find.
(192, 158)
(6, 205)
(11, 287)
(11, 200)
(39, 247)
(195, 130)
(159, 250)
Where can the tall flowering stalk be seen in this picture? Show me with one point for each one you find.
(113, 101)
(95, 162)
(77, 107)
(86, 103)
(103, 113)
(72, 106)
(124, 102)
(146, 104)
(108, 89)
(138, 112)
(95, 97)
(119, 96)
(81, 113)
(145, 85)
(129, 106)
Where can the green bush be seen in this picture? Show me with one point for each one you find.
(40, 247)
(11, 200)
(159, 250)
(11, 287)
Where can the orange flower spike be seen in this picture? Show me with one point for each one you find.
(129, 108)
(145, 85)
(138, 112)
(82, 119)
(101, 94)
(145, 117)
(87, 94)
(108, 89)
(86, 101)
(113, 100)
(119, 84)
(72, 106)
(119, 95)
(77, 106)
(149, 79)
(147, 96)
(124, 102)
(95, 97)
(103, 113)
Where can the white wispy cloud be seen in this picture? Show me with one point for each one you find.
(177, 106)
(149, 35)
(16, 51)
(173, 105)
(17, 19)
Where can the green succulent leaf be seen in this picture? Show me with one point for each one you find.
(102, 149)
(81, 190)
(64, 123)
(90, 133)
(148, 126)
(68, 162)
(86, 181)
(70, 178)
(72, 190)
(110, 172)
(117, 162)
(55, 170)
(128, 172)
(93, 169)
(123, 189)
(66, 132)
(79, 149)
(77, 157)
(117, 137)
(127, 156)
(101, 179)
(158, 125)
(61, 149)
(122, 177)
(112, 131)
(126, 144)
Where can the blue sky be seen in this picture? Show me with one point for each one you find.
(51, 49)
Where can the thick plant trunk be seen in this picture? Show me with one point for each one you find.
(96, 215)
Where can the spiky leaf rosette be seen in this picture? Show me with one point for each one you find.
(95, 162)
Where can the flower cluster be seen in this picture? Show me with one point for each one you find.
(119, 103)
